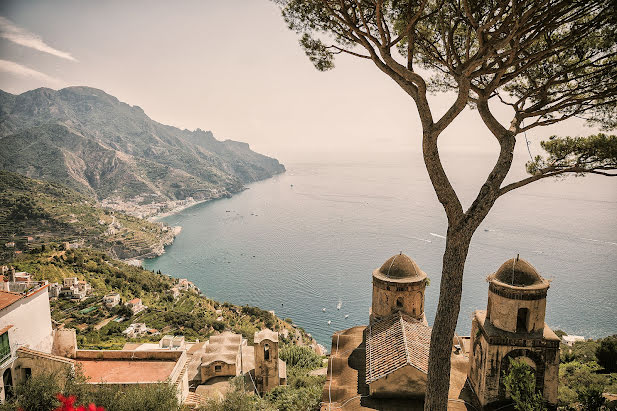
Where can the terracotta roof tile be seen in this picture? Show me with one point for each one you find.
(394, 342)
(7, 298)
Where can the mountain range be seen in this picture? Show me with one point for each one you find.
(106, 149)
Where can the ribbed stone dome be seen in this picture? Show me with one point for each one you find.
(401, 267)
(518, 272)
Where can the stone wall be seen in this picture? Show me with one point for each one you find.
(390, 297)
(209, 371)
(406, 382)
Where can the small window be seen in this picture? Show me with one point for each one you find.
(399, 302)
(266, 352)
(217, 368)
(27, 373)
(522, 319)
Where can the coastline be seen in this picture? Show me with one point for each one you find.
(177, 209)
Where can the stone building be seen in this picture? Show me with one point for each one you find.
(398, 285)
(229, 355)
(398, 337)
(222, 357)
(270, 371)
(384, 365)
(513, 327)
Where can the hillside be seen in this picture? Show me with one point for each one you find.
(190, 314)
(107, 149)
(33, 212)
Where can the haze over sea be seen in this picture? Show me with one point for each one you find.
(310, 238)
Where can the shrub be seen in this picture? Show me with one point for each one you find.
(520, 384)
(591, 398)
(300, 356)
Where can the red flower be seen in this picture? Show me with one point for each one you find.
(68, 402)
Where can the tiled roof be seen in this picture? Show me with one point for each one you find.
(394, 342)
(7, 298)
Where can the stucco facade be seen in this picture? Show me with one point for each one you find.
(219, 369)
(31, 320)
(25, 321)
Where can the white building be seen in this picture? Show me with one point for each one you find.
(25, 321)
(111, 300)
(136, 306)
(569, 340)
(138, 329)
(74, 289)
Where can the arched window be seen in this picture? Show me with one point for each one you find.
(7, 379)
(399, 302)
(522, 319)
(266, 352)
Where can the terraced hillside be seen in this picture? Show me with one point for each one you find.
(33, 212)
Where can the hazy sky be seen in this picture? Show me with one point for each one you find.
(230, 66)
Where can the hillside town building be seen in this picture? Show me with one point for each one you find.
(136, 306)
(111, 300)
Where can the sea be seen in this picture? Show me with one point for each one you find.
(305, 243)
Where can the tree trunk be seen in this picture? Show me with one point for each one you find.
(457, 246)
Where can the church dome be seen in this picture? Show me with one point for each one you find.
(400, 267)
(518, 272)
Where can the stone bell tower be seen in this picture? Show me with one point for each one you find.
(398, 285)
(270, 371)
(513, 327)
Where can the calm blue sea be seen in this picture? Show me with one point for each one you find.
(310, 238)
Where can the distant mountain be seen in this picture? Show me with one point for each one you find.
(92, 142)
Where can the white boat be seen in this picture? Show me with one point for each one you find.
(346, 315)
(339, 305)
(329, 322)
(323, 309)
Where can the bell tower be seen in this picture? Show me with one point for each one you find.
(268, 367)
(513, 327)
(398, 285)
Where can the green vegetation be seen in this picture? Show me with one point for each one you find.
(582, 380)
(299, 356)
(191, 315)
(39, 393)
(520, 384)
(49, 212)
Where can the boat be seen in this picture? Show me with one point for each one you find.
(346, 315)
(329, 322)
(323, 309)
(339, 305)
